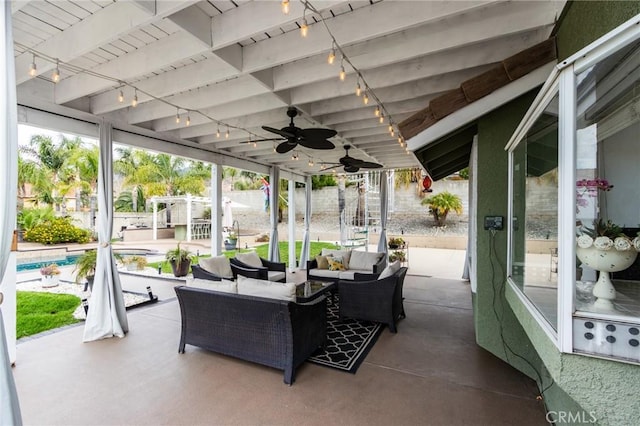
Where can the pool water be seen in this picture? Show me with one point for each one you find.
(29, 266)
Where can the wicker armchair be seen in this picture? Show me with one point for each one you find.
(272, 271)
(375, 300)
(199, 272)
(275, 333)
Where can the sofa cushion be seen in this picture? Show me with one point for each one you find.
(250, 258)
(364, 260)
(224, 286)
(323, 262)
(391, 269)
(335, 264)
(268, 289)
(324, 273)
(276, 275)
(344, 254)
(218, 265)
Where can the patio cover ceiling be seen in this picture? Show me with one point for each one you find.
(239, 64)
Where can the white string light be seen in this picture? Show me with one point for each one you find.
(134, 101)
(285, 6)
(304, 28)
(120, 96)
(177, 116)
(218, 132)
(332, 55)
(33, 70)
(358, 89)
(188, 119)
(56, 73)
(226, 134)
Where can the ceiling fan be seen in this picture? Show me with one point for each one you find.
(292, 136)
(351, 164)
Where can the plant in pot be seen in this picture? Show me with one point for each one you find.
(135, 262)
(180, 260)
(230, 243)
(396, 242)
(397, 255)
(86, 266)
(50, 275)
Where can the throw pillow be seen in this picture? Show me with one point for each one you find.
(268, 289)
(323, 262)
(218, 265)
(391, 269)
(364, 260)
(251, 258)
(224, 286)
(335, 264)
(344, 254)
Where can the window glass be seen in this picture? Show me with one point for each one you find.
(534, 242)
(607, 185)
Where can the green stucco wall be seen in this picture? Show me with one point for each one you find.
(585, 21)
(494, 131)
(581, 385)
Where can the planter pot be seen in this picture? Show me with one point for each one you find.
(230, 244)
(183, 270)
(605, 261)
(132, 267)
(50, 280)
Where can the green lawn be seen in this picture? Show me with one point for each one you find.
(38, 312)
(262, 250)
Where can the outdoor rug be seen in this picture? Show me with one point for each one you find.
(348, 342)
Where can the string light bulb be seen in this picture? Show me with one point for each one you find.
(56, 73)
(377, 111)
(218, 132)
(285, 7)
(33, 70)
(134, 101)
(358, 89)
(120, 97)
(365, 99)
(343, 73)
(332, 55)
(177, 116)
(310, 162)
(381, 119)
(226, 134)
(391, 131)
(304, 28)
(188, 120)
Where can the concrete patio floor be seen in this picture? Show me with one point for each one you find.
(430, 373)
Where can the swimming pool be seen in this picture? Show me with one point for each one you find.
(28, 266)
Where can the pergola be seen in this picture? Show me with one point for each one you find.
(200, 78)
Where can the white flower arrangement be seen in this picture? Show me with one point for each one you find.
(598, 238)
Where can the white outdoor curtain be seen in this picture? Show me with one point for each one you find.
(274, 184)
(107, 316)
(9, 405)
(384, 208)
(306, 238)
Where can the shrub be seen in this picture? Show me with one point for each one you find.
(263, 238)
(440, 205)
(56, 231)
(28, 218)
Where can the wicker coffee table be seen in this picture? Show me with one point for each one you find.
(310, 290)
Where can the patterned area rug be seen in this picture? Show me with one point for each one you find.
(348, 342)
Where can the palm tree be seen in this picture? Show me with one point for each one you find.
(440, 205)
(53, 167)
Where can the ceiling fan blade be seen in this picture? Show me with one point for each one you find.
(316, 143)
(283, 133)
(315, 133)
(369, 165)
(351, 169)
(285, 147)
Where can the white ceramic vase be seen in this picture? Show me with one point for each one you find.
(605, 261)
(50, 280)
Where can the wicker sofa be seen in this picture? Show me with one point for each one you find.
(360, 265)
(276, 333)
(378, 300)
